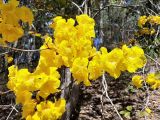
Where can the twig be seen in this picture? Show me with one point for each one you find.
(105, 86)
(157, 34)
(3, 53)
(102, 109)
(77, 7)
(33, 27)
(13, 108)
(22, 50)
(153, 59)
(2, 93)
(83, 3)
(2, 106)
(147, 91)
(154, 4)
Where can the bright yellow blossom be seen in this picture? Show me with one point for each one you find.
(50, 111)
(137, 81)
(153, 81)
(142, 20)
(154, 20)
(10, 33)
(134, 58)
(112, 62)
(79, 70)
(28, 108)
(25, 14)
(10, 16)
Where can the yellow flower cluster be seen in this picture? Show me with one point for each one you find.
(74, 49)
(150, 19)
(153, 20)
(151, 79)
(142, 21)
(39, 84)
(48, 110)
(116, 61)
(10, 16)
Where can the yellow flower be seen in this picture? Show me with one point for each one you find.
(12, 80)
(10, 6)
(150, 78)
(61, 34)
(47, 83)
(148, 110)
(147, 31)
(154, 20)
(25, 14)
(23, 96)
(137, 81)
(51, 111)
(47, 56)
(112, 62)
(153, 80)
(85, 19)
(85, 26)
(79, 71)
(50, 86)
(9, 59)
(97, 63)
(134, 58)
(95, 67)
(34, 117)
(28, 108)
(53, 25)
(10, 33)
(142, 20)
(10, 16)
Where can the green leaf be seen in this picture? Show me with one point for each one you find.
(131, 89)
(129, 108)
(123, 112)
(127, 115)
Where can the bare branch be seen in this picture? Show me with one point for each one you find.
(2, 93)
(77, 7)
(22, 50)
(153, 59)
(105, 86)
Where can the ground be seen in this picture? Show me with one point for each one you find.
(94, 106)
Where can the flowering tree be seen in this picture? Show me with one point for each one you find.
(70, 47)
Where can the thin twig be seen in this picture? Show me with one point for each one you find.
(1, 54)
(22, 50)
(154, 4)
(102, 105)
(105, 86)
(2, 93)
(83, 3)
(147, 91)
(13, 108)
(77, 7)
(2, 106)
(153, 59)
(157, 34)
